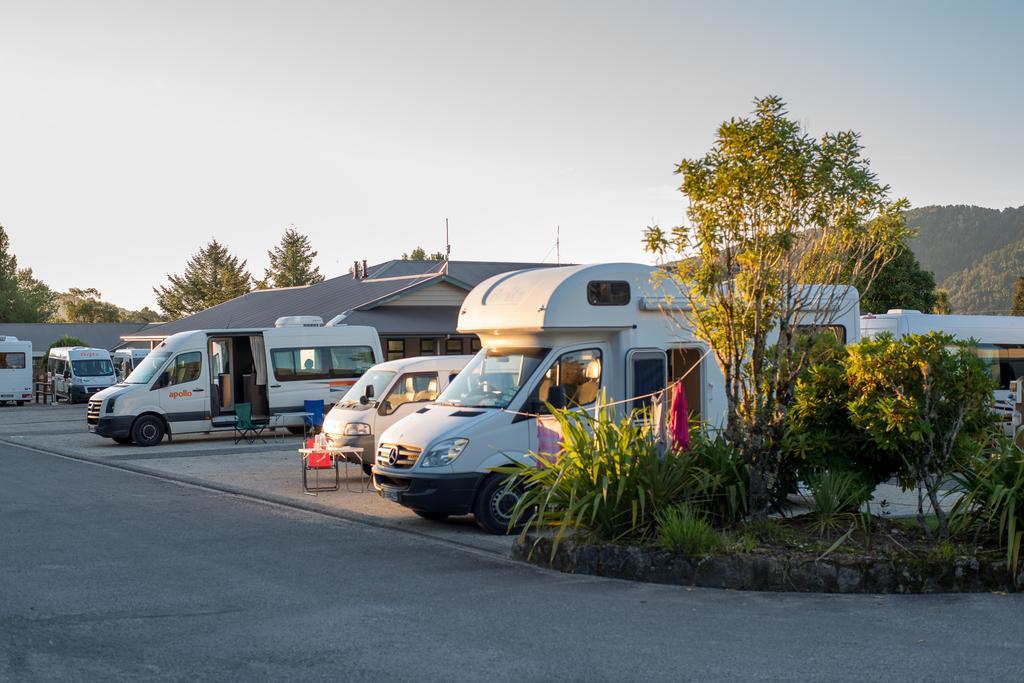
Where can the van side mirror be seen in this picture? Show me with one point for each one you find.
(367, 394)
(556, 397)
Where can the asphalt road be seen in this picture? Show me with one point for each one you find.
(108, 575)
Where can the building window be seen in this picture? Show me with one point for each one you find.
(396, 349)
(428, 347)
(474, 344)
(608, 293)
(453, 347)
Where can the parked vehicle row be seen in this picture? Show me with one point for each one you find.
(79, 372)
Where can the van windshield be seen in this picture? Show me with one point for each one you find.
(493, 378)
(379, 379)
(148, 367)
(92, 368)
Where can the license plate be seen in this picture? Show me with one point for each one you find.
(92, 428)
(392, 495)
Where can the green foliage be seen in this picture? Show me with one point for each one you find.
(725, 497)
(420, 254)
(1017, 308)
(923, 398)
(770, 207)
(992, 484)
(86, 306)
(901, 283)
(23, 298)
(609, 483)
(683, 529)
(819, 433)
(291, 262)
(212, 276)
(836, 496)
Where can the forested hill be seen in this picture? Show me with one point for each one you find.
(975, 253)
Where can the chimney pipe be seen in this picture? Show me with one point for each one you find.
(364, 267)
(355, 270)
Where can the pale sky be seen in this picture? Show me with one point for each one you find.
(133, 132)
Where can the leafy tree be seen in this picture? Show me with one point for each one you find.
(1018, 297)
(23, 298)
(66, 340)
(291, 262)
(925, 399)
(212, 276)
(942, 306)
(900, 283)
(86, 306)
(420, 254)
(771, 209)
(142, 315)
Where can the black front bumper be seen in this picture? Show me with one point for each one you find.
(449, 494)
(119, 426)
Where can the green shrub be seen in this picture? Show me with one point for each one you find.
(992, 484)
(609, 484)
(725, 496)
(924, 398)
(836, 496)
(684, 530)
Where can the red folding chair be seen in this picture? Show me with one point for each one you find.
(315, 462)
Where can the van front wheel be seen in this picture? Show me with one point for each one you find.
(494, 506)
(148, 430)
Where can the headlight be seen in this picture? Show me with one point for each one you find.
(110, 404)
(443, 452)
(356, 429)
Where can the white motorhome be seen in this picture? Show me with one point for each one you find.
(1000, 342)
(126, 360)
(560, 336)
(78, 372)
(385, 394)
(15, 370)
(192, 381)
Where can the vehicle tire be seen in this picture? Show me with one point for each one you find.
(494, 505)
(20, 403)
(432, 516)
(297, 431)
(148, 430)
(123, 440)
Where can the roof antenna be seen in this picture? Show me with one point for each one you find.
(447, 248)
(558, 245)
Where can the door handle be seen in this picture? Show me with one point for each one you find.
(275, 386)
(199, 390)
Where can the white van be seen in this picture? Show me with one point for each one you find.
(15, 370)
(126, 360)
(192, 381)
(385, 394)
(1000, 343)
(562, 336)
(78, 372)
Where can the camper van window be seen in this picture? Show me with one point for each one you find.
(187, 368)
(608, 293)
(322, 362)
(1005, 361)
(578, 373)
(148, 368)
(493, 378)
(12, 361)
(99, 367)
(811, 330)
(378, 378)
(410, 388)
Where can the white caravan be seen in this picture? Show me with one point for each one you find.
(1000, 343)
(561, 336)
(126, 360)
(192, 381)
(78, 372)
(15, 370)
(384, 395)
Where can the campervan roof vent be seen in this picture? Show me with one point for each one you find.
(7, 338)
(299, 321)
(903, 311)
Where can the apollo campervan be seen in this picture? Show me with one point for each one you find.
(193, 381)
(15, 370)
(560, 336)
(384, 395)
(126, 360)
(78, 372)
(1000, 343)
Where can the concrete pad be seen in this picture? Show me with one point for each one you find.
(270, 471)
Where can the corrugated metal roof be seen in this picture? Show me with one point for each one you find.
(408, 320)
(332, 297)
(99, 335)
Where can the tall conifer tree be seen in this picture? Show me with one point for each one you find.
(291, 262)
(212, 276)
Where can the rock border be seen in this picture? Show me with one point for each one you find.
(802, 573)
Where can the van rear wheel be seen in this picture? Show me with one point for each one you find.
(494, 505)
(148, 430)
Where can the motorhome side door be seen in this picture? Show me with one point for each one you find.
(646, 373)
(183, 395)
